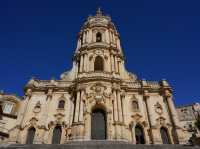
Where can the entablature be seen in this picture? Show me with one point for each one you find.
(45, 85)
(141, 86)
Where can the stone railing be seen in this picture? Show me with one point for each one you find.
(132, 84)
(153, 84)
(99, 44)
(97, 75)
(137, 84)
(49, 83)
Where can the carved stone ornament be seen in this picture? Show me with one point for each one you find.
(99, 52)
(158, 108)
(136, 116)
(161, 120)
(59, 116)
(33, 121)
(98, 93)
(37, 107)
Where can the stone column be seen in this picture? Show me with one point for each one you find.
(46, 108)
(87, 37)
(81, 64)
(113, 36)
(149, 113)
(118, 44)
(78, 44)
(177, 137)
(90, 36)
(115, 107)
(87, 116)
(171, 106)
(124, 108)
(93, 37)
(81, 107)
(85, 63)
(112, 63)
(119, 67)
(120, 117)
(133, 132)
(84, 37)
(110, 35)
(116, 65)
(107, 36)
(44, 120)
(77, 107)
(150, 110)
(71, 111)
(22, 117)
(122, 68)
(89, 64)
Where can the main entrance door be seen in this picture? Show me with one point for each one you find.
(98, 123)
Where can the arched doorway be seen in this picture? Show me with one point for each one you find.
(139, 135)
(98, 125)
(57, 132)
(165, 136)
(30, 135)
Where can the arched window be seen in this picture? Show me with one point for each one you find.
(165, 136)
(61, 104)
(57, 132)
(98, 64)
(98, 37)
(30, 135)
(139, 135)
(135, 105)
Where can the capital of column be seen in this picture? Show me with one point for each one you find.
(49, 93)
(167, 93)
(80, 88)
(115, 87)
(28, 92)
(123, 93)
(146, 94)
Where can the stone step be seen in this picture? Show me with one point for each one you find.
(95, 145)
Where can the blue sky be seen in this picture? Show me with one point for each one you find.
(161, 39)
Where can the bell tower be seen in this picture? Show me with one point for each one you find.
(97, 73)
(98, 47)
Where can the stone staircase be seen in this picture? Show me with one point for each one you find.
(95, 145)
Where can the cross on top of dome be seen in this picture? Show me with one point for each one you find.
(99, 12)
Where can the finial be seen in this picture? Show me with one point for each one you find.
(99, 12)
(2, 92)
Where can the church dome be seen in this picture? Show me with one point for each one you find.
(99, 20)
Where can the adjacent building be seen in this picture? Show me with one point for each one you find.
(9, 106)
(188, 115)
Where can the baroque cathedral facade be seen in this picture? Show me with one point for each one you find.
(98, 99)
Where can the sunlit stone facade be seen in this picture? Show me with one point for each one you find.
(98, 99)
